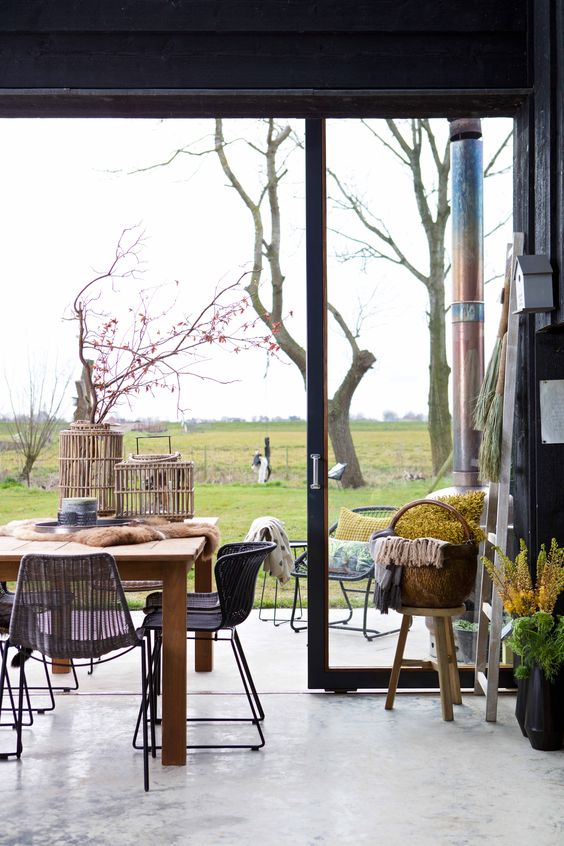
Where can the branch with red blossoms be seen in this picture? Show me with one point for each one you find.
(152, 347)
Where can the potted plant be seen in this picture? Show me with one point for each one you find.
(465, 634)
(132, 339)
(537, 638)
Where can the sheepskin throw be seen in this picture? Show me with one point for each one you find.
(103, 536)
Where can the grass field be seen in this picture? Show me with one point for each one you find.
(389, 454)
(222, 452)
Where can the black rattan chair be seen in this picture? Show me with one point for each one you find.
(73, 606)
(364, 574)
(44, 691)
(236, 572)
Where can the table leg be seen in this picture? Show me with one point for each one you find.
(174, 666)
(204, 643)
(60, 666)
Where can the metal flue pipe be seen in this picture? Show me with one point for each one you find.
(468, 294)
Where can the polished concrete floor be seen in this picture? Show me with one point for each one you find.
(336, 769)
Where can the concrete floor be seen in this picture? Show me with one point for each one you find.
(336, 769)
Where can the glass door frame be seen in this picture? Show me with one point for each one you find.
(320, 674)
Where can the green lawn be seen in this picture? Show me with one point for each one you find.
(389, 454)
(236, 506)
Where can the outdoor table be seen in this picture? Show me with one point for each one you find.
(166, 560)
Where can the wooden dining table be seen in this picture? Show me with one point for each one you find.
(168, 561)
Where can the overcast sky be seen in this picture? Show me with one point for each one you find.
(69, 191)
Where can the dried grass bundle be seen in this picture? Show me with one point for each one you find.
(488, 389)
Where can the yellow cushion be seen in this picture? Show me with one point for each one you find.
(352, 526)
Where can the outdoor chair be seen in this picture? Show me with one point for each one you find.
(296, 547)
(46, 690)
(73, 606)
(347, 571)
(236, 572)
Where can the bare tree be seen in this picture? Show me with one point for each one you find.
(152, 345)
(272, 313)
(416, 146)
(36, 415)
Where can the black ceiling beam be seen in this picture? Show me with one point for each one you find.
(265, 60)
(295, 16)
(298, 103)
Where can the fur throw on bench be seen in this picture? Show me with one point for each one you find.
(102, 536)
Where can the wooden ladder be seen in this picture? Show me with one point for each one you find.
(497, 520)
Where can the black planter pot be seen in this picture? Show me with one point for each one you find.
(544, 719)
(521, 704)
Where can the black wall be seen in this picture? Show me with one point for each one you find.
(244, 56)
(331, 58)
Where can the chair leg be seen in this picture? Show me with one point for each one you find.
(19, 722)
(443, 666)
(394, 677)
(297, 597)
(145, 687)
(8, 684)
(4, 682)
(369, 634)
(255, 705)
(345, 620)
(452, 663)
(245, 665)
(152, 669)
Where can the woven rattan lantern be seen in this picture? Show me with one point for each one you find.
(88, 454)
(155, 486)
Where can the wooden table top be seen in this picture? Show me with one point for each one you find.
(172, 549)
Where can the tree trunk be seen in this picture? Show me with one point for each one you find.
(339, 419)
(343, 447)
(439, 424)
(26, 471)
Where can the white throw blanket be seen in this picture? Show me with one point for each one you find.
(280, 561)
(418, 552)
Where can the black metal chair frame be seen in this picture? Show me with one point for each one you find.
(300, 572)
(74, 572)
(275, 618)
(236, 572)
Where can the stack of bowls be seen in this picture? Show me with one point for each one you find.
(78, 511)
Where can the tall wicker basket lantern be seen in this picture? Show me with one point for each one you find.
(155, 486)
(88, 454)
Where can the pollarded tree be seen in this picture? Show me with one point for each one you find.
(417, 146)
(36, 414)
(266, 280)
(278, 143)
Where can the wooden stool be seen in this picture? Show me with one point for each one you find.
(449, 680)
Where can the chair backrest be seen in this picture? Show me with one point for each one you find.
(71, 606)
(236, 574)
(384, 511)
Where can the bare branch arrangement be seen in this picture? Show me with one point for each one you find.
(148, 347)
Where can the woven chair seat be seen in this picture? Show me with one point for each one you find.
(154, 601)
(196, 620)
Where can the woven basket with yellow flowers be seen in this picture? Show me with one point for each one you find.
(440, 560)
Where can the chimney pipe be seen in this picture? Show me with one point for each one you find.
(468, 294)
